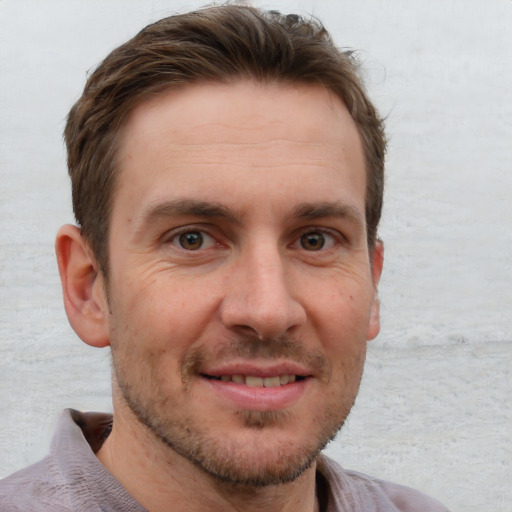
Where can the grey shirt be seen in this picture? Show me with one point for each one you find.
(72, 479)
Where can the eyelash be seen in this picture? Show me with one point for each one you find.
(173, 237)
(331, 237)
(336, 238)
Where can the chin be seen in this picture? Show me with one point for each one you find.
(267, 448)
(242, 448)
(257, 464)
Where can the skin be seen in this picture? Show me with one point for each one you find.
(238, 246)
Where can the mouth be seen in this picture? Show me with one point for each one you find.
(258, 385)
(254, 381)
(249, 391)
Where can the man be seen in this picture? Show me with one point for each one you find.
(227, 174)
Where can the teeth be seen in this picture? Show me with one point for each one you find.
(254, 382)
(270, 382)
(259, 382)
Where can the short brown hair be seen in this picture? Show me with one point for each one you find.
(213, 44)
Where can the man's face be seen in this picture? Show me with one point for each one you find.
(241, 291)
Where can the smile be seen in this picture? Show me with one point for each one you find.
(250, 391)
(258, 382)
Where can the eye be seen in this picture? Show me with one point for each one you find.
(316, 240)
(193, 240)
(312, 241)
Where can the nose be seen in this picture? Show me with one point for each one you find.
(259, 299)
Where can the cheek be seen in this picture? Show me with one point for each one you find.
(342, 311)
(158, 295)
(160, 316)
(341, 319)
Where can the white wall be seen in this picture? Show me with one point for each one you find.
(435, 406)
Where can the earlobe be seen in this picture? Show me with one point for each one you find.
(376, 262)
(83, 287)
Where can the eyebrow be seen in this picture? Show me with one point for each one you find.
(188, 207)
(313, 211)
(206, 209)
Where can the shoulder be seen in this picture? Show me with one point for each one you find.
(34, 488)
(364, 492)
(70, 477)
(53, 483)
(404, 498)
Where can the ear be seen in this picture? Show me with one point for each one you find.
(376, 262)
(83, 287)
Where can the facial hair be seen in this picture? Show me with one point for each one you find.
(224, 459)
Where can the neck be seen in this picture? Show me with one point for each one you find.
(155, 475)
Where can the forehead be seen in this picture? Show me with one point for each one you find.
(199, 139)
(243, 109)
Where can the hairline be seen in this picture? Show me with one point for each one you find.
(161, 89)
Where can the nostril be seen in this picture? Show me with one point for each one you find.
(246, 330)
(261, 306)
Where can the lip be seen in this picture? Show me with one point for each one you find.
(243, 397)
(257, 370)
(247, 398)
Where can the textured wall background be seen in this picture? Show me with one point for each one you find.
(435, 405)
